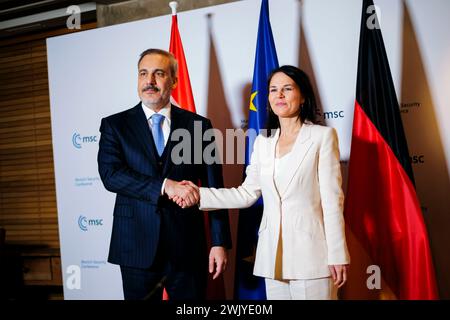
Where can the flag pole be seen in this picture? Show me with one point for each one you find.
(173, 6)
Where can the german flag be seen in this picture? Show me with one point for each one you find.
(381, 207)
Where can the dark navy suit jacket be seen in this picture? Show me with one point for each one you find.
(143, 219)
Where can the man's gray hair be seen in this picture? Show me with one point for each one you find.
(173, 62)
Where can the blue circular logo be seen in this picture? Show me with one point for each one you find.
(76, 140)
(82, 223)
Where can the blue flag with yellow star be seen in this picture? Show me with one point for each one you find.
(248, 286)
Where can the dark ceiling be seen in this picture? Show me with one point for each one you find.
(13, 9)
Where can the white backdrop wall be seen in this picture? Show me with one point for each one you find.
(93, 74)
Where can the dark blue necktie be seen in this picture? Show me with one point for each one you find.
(157, 132)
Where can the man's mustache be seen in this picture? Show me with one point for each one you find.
(150, 87)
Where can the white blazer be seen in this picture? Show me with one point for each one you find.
(308, 204)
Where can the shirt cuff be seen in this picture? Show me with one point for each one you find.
(163, 185)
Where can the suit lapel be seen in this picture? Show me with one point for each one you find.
(138, 123)
(298, 153)
(176, 122)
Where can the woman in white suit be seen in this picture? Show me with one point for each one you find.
(301, 251)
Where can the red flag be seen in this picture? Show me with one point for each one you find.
(182, 94)
(183, 97)
(382, 208)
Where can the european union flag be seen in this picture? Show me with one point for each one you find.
(248, 286)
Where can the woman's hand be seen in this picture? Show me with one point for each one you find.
(186, 202)
(339, 274)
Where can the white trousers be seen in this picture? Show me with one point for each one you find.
(310, 289)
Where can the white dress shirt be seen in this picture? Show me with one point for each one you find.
(165, 126)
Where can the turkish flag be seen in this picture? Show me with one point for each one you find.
(182, 94)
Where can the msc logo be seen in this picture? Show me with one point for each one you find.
(336, 114)
(417, 159)
(333, 114)
(78, 140)
(84, 223)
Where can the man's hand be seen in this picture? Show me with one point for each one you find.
(339, 274)
(217, 258)
(179, 200)
(183, 193)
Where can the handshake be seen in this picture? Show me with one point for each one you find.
(183, 193)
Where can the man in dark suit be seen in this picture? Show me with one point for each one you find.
(155, 242)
